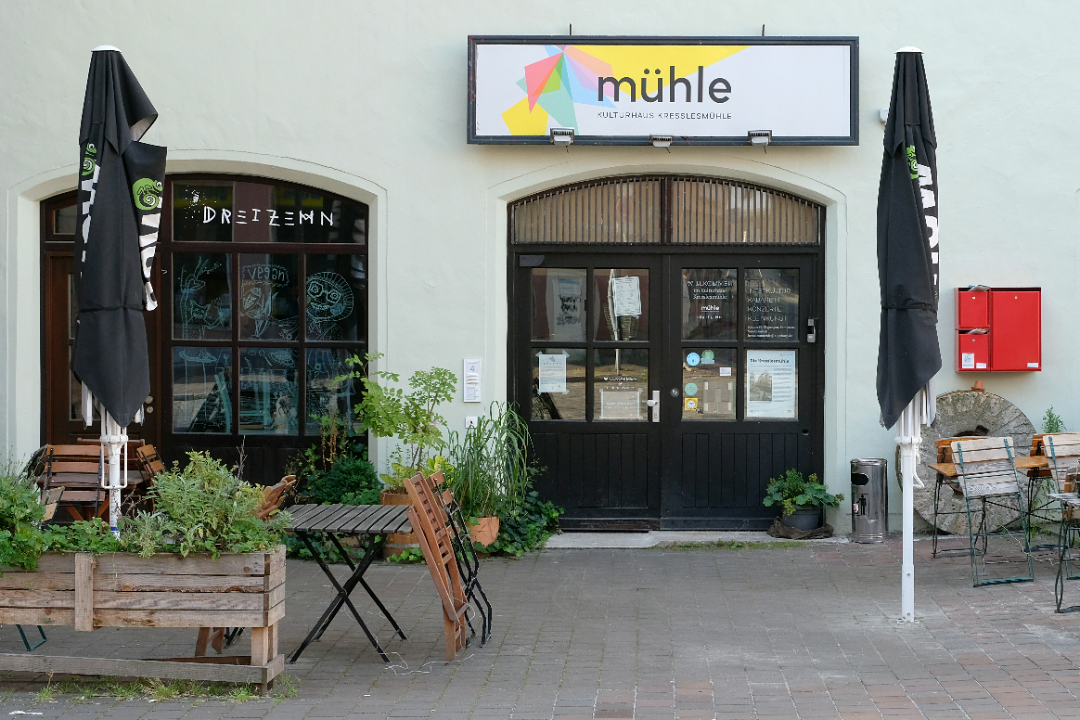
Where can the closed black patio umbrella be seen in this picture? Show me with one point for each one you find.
(908, 261)
(119, 211)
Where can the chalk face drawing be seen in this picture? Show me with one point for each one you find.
(329, 300)
(201, 310)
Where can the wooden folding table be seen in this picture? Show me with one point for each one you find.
(371, 523)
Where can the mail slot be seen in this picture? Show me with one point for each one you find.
(972, 309)
(972, 352)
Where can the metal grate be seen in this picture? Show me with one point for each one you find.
(614, 211)
(630, 211)
(705, 211)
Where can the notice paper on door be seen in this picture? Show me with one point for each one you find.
(772, 384)
(551, 377)
(626, 292)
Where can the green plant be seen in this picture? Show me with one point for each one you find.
(21, 513)
(408, 556)
(528, 530)
(490, 472)
(411, 417)
(204, 508)
(791, 490)
(350, 480)
(1052, 422)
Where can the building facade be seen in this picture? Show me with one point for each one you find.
(322, 201)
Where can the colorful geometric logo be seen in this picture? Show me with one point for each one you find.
(571, 74)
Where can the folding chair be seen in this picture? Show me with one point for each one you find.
(1063, 453)
(468, 562)
(995, 504)
(435, 540)
(78, 470)
(952, 489)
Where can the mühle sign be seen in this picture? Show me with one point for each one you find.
(699, 91)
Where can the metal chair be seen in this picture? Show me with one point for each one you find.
(995, 505)
(946, 484)
(1063, 453)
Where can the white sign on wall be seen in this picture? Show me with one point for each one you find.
(700, 91)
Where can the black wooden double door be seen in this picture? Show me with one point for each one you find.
(665, 389)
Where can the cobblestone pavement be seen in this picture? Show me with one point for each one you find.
(780, 632)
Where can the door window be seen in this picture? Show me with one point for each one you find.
(772, 304)
(708, 383)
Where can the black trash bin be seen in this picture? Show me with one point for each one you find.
(869, 501)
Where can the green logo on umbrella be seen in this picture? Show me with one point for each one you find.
(147, 193)
(88, 163)
(912, 163)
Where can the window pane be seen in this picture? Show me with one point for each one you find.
(558, 384)
(772, 385)
(772, 304)
(311, 217)
(202, 297)
(558, 307)
(326, 395)
(202, 212)
(202, 390)
(336, 297)
(268, 391)
(621, 385)
(269, 305)
(624, 304)
(64, 221)
(709, 304)
(708, 383)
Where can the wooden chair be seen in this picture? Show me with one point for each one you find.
(435, 541)
(150, 463)
(220, 638)
(995, 504)
(274, 496)
(76, 469)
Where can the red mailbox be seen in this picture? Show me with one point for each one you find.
(1015, 329)
(999, 330)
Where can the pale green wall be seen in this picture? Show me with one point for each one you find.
(368, 99)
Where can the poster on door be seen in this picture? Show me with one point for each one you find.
(772, 385)
(551, 376)
(566, 304)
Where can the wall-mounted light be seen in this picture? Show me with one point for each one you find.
(660, 141)
(561, 136)
(761, 138)
(883, 115)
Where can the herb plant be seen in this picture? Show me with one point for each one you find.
(1052, 422)
(350, 480)
(791, 490)
(21, 513)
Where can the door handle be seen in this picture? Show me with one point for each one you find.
(654, 403)
(811, 330)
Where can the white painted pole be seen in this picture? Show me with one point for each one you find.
(113, 439)
(910, 426)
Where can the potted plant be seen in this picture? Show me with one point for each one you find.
(202, 558)
(411, 417)
(490, 472)
(800, 499)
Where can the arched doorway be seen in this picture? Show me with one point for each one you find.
(263, 294)
(666, 343)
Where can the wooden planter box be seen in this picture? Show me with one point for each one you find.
(124, 590)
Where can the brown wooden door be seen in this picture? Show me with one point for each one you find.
(63, 422)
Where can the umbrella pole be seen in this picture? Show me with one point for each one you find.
(114, 437)
(909, 440)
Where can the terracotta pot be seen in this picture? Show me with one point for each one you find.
(397, 543)
(485, 530)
